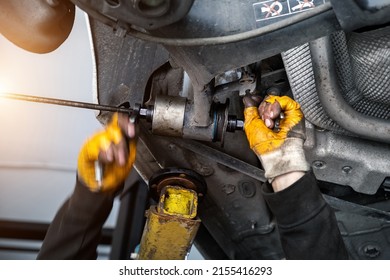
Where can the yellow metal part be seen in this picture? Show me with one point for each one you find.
(178, 201)
(171, 226)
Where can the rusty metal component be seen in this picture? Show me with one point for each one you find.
(172, 225)
(234, 124)
(221, 120)
(247, 83)
(186, 178)
(167, 237)
(168, 115)
(178, 201)
(178, 116)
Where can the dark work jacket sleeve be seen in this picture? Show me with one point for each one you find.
(76, 229)
(307, 225)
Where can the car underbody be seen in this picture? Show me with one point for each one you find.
(193, 61)
(340, 77)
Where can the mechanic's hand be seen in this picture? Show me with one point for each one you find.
(280, 151)
(114, 148)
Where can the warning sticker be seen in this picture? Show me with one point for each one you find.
(266, 10)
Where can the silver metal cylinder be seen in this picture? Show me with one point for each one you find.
(168, 115)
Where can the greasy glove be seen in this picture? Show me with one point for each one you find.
(280, 152)
(114, 173)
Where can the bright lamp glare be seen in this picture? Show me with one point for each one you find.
(3, 93)
(4, 88)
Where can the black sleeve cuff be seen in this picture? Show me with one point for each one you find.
(297, 203)
(84, 198)
(75, 230)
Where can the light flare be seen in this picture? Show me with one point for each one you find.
(5, 103)
(4, 88)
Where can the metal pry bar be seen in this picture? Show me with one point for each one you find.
(68, 103)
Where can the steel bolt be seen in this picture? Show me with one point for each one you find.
(253, 224)
(247, 189)
(171, 146)
(347, 169)
(319, 164)
(229, 188)
(372, 251)
(204, 170)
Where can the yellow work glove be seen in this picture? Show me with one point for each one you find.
(114, 172)
(280, 152)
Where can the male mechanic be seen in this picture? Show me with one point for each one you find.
(307, 225)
